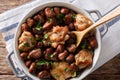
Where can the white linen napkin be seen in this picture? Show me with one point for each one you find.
(110, 42)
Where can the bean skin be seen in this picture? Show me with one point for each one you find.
(57, 10)
(63, 55)
(25, 27)
(35, 53)
(60, 48)
(68, 18)
(28, 63)
(44, 74)
(49, 12)
(47, 66)
(70, 58)
(47, 25)
(64, 10)
(47, 53)
(71, 48)
(30, 22)
(39, 18)
(24, 55)
(32, 67)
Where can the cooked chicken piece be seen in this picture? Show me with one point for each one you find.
(26, 41)
(62, 71)
(82, 22)
(58, 34)
(83, 59)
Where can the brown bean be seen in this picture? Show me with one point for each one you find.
(24, 55)
(25, 27)
(35, 53)
(42, 13)
(71, 48)
(47, 66)
(60, 48)
(93, 42)
(71, 27)
(47, 25)
(30, 22)
(49, 12)
(39, 45)
(63, 55)
(70, 58)
(48, 52)
(54, 56)
(54, 21)
(64, 10)
(44, 74)
(68, 18)
(28, 63)
(46, 43)
(32, 67)
(39, 18)
(57, 10)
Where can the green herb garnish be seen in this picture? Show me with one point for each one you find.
(45, 36)
(84, 45)
(28, 57)
(85, 58)
(56, 75)
(51, 55)
(26, 44)
(74, 16)
(66, 69)
(60, 17)
(49, 19)
(42, 62)
(75, 73)
(39, 26)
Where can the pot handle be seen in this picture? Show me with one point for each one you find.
(16, 70)
(103, 29)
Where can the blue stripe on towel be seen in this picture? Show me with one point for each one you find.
(9, 27)
(8, 37)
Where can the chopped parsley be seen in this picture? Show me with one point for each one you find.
(42, 62)
(56, 75)
(39, 26)
(66, 69)
(28, 57)
(49, 19)
(51, 55)
(74, 16)
(26, 44)
(85, 58)
(75, 73)
(84, 45)
(45, 36)
(60, 17)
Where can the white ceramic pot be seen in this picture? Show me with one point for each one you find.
(38, 8)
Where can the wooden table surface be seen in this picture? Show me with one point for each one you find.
(109, 71)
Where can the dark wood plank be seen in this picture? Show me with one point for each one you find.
(8, 77)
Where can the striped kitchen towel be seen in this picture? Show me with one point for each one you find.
(110, 42)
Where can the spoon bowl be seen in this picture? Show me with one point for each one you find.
(80, 34)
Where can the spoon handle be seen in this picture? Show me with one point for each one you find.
(114, 13)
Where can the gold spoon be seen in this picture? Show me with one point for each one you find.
(80, 34)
